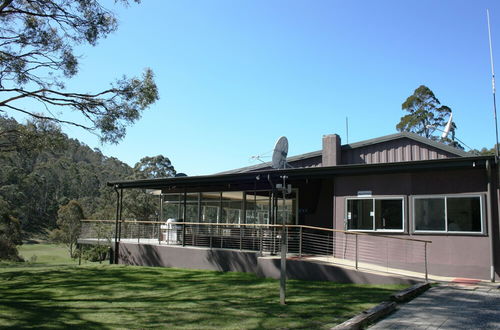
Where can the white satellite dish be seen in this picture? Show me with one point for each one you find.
(280, 152)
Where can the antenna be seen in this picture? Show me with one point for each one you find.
(347, 129)
(493, 84)
(280, 152)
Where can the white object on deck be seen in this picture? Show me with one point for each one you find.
(169, 231)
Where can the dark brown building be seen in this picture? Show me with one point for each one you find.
(400, 186)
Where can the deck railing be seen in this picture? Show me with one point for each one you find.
(394, 254)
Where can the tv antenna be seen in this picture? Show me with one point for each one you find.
(280, 152)
(493, 84)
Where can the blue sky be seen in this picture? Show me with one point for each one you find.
(233, 75)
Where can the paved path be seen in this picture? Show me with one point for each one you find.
(448, 307)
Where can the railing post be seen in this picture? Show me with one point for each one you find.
(241, 238)
(138, 233)
(183, 233)
(300, 242)
(356, 256)
(261, 247)
(425, 260)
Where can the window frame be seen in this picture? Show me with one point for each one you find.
(373, 198)
(446, 231)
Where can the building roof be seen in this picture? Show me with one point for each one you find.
(386, 138)
(306, 173)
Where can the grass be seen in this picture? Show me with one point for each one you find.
(48, 254)
(41, 295)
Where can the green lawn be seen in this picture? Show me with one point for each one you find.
(49, 254)
(40, 294)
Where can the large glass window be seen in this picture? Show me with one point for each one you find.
(171, 206)
(192, 200)
(232, 207)
(287, 212)
(235, 207)
(210, 207)
(375, 214)
(448, 214)
(257, 207)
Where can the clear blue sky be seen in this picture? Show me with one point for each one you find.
(233, 76)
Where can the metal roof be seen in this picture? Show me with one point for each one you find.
(311, 172)
(386, 138)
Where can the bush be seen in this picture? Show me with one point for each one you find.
(10, 237)
(96, 253)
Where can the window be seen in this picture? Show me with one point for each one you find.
(448, 214)
(384, 214)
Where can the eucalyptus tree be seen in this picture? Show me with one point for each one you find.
(425, 114)
(37, 40)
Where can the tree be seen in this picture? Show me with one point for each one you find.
(10, 233)
(69, 225)
(426, 116)
(154, 167)
(36, 54)
(138, 203)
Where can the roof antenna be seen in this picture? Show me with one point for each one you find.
(347, 129)
(493, 85)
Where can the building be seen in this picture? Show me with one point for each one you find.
(394, 194)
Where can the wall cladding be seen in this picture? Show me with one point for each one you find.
(400, 150)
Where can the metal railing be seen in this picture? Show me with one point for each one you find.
(394, 254)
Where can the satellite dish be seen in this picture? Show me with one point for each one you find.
(279, 153)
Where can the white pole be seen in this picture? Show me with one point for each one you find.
(493, 83)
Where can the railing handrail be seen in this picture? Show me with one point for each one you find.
(263, 225)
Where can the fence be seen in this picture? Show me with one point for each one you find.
(360, 250)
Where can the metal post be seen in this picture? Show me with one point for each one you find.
(161, 219)
(356, 256)
(241, 239)
(79, 254)
(115, 252)
(261, 247)
(138, 233)
(184, 221)
(489, 205)
(283, 247)
(121, 217)
(425, 259)
(300, 242)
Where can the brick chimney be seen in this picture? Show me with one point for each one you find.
(331, 150)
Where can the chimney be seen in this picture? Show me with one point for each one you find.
(331, 150)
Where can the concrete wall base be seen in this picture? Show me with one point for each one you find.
(245, 261)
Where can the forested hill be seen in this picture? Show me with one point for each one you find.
(42, 169)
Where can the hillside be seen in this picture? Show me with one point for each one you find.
(41, 169)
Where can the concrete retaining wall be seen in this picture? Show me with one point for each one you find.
(249, 262)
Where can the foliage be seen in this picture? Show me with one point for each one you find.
(483, 152)
(40, 175)
(69, 225)
(96, 253)
(37, 177)
(111, 296)
(154, 168)
(37, 38)
(139, 203)
(426, 116)
(10, 237)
